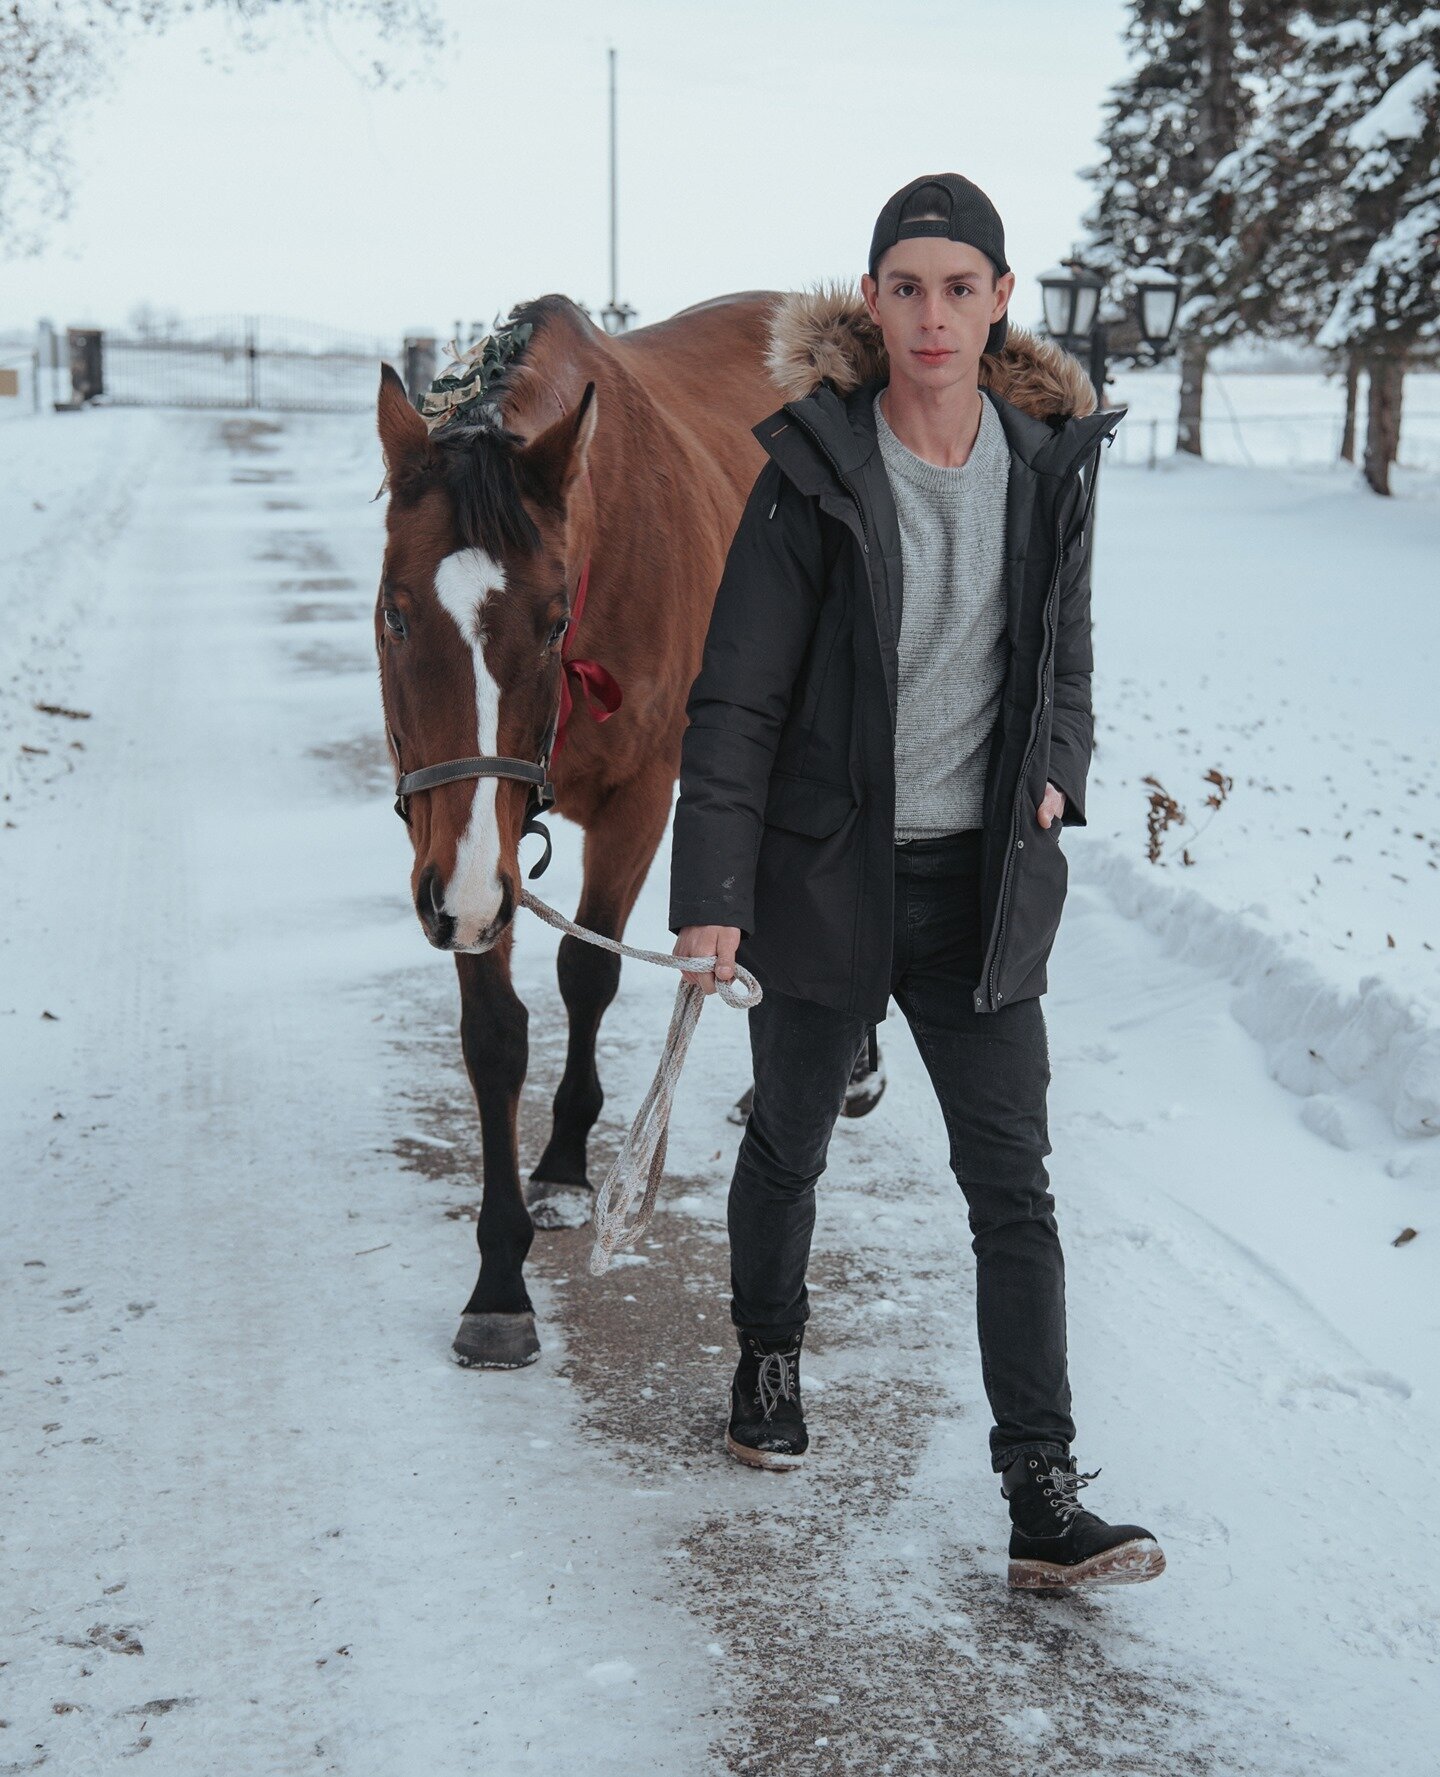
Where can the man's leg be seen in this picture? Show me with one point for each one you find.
(803, 1055)
(991, 1073)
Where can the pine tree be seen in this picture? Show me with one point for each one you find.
(1184, 108)
(1293, 238)
(1389, 303)
(1336, 196)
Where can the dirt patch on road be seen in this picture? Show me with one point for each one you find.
(863, 1629)
(861, 1624)
(323, 583)
(320, 611)
(248, 436)
(299, 549)
(332, 658)
(362, 764)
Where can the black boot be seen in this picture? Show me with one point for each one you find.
(1055, 1543)
(767, 1422)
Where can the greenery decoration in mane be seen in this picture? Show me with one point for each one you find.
(469, 389)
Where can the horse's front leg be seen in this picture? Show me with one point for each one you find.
(497, 1329)
(620, 845)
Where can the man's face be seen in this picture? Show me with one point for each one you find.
(934, 301)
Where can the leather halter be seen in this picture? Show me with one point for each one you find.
(603, 697)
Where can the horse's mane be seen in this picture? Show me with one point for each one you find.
(474, 460)
(476, 467)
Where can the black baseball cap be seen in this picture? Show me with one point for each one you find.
(953, 208)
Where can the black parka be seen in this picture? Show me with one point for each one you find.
(785, 822)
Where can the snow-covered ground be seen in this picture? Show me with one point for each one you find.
(1279, 627)
(258, 1522)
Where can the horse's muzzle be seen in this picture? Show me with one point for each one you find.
(444, 930)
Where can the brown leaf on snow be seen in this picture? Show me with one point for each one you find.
(1404, 1237)
(115, 1640)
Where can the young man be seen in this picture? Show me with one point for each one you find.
(890, 727)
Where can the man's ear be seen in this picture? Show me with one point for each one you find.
(869, 289)
(1004, 290)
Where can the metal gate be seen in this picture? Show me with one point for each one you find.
(234, 361)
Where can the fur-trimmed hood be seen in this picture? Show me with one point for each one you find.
(825, 334)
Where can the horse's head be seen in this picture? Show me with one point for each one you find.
(485, 534)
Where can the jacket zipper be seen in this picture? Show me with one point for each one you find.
(1103, 437)
(1010, 844)
(825, 452)
(1010, 848)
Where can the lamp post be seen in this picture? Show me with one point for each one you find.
(1070, 295)
(1157, 303)
(616, 316)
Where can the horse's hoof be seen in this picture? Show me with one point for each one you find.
(739, 1112)
(863, 1094)
(559, 1205)
(496, 1341)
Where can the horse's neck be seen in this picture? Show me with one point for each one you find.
(632, 435)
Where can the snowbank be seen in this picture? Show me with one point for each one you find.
(1279, 627)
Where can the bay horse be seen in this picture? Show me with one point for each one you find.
(609, 468)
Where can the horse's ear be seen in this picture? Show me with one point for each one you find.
(552, 461)
(404, 436)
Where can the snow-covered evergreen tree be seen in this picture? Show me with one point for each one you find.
(1183, 108)
(1336, 194)
(1293, 237)
(1389, 303)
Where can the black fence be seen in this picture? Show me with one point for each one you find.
(230, 362)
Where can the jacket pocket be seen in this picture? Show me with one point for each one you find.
(806, 804)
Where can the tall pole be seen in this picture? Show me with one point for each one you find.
(616, 315)
(614, 277)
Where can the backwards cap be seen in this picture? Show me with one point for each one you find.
(951, 207)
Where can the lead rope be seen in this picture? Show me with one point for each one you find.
(626, 1199)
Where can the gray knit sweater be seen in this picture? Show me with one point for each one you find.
(952, 632)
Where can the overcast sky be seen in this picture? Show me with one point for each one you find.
(757, 141)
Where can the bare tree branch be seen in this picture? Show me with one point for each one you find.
(55, 56)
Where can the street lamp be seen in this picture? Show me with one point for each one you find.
(1070, 294)
(1157, 301)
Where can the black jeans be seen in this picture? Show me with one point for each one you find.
(990, 1071)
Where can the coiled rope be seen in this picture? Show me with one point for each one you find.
(625, 1201)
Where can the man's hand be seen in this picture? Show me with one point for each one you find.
(1049, 810)
(720, 942)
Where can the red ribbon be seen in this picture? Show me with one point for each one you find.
(596, 685)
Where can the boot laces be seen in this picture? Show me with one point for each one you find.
(775, 1379)
(1064, 1486)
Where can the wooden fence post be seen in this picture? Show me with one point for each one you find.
(250, 356)
(87, 364)
(419, 368)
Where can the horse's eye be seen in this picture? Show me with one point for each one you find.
(394, 622)
(557, 633)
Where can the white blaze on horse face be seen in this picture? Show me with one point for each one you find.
(463, 582)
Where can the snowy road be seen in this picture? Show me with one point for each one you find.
(256, 1519)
